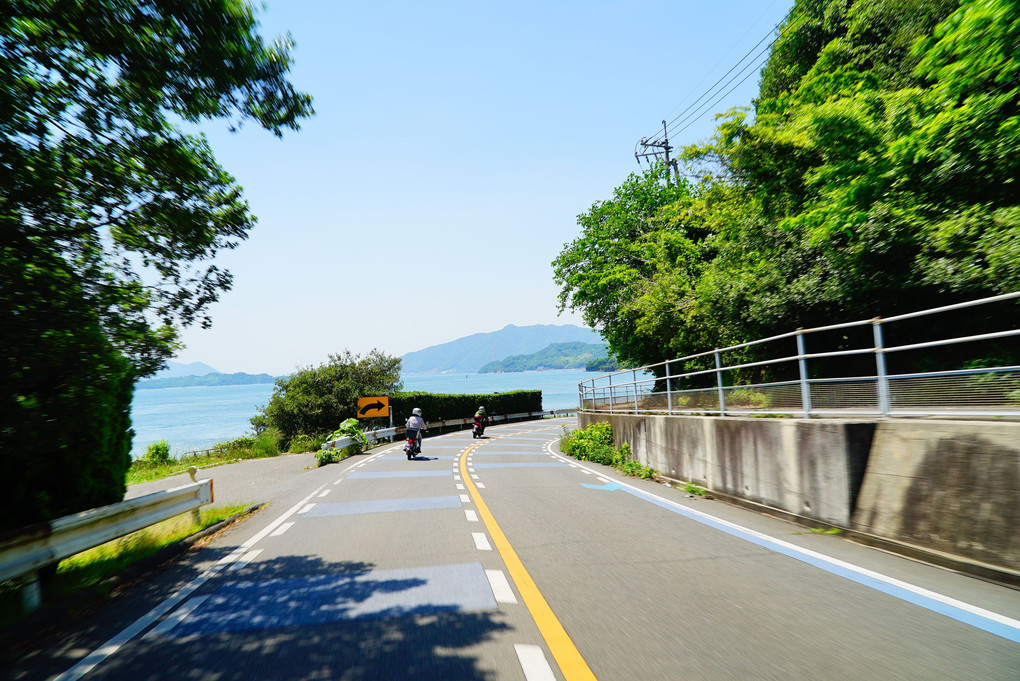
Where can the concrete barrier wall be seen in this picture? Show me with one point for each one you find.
(809, 468)
(949, 486)
(946, 486)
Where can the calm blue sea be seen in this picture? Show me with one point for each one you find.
(199, 417)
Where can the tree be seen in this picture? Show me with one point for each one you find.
(110, 214)
(629, 272)
(314, 401)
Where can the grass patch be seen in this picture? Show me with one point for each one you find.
(90, 567)
(157, 464)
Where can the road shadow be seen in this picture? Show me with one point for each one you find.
(297, 620)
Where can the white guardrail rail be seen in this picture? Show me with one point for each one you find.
(24, 552)
(342, 442)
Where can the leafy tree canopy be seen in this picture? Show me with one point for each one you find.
(878, 175)
(314, 401)
(96, 168)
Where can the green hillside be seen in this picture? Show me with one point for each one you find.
(553, 356)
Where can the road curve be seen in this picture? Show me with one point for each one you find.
(501, 559)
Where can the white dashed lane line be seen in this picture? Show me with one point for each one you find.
(481, 541)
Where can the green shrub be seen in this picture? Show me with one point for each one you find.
(595, 443)
(302, 443)
(158, 454)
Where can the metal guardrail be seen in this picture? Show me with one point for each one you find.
(966, 391)
(23, 553)
(342, 442)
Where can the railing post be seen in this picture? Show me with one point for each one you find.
(634, 384)
(719, 383)
(805, 387)
(196, 514)
(669, 391)
(31, 594)
(612, 395)
(884, 403)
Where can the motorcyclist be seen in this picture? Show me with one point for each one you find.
(481, 420)
(414, 427)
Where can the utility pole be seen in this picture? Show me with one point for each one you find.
(641, 150)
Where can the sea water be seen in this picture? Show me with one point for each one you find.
(198, 417)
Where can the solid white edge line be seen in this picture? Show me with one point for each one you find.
(500, 586)
(90, 661)
(481, 541)
(865, 572)
(175, 618)
(533, 663)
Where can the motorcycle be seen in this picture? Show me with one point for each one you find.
(478, 429)
(412, 447)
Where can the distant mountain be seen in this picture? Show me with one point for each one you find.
(175, 369)
(239, 378)
(555, 356)
(469, 354)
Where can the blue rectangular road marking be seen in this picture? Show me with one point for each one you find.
(505, 452)
(364, 475)
(522, 465)
(423, 455)
(382, 506)
(326, 599)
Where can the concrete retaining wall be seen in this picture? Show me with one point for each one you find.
(946, 486)
(949, 486)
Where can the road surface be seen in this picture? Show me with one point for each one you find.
(501, 559)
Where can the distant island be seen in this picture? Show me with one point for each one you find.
(553, 356)
(239, 378)
(468, 354)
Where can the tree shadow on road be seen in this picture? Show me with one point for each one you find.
(296, 617)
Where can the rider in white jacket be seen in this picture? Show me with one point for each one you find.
(415, 425)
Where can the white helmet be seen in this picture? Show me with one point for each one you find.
(416, 411)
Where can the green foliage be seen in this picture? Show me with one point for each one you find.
(110, 216)
(595, 443)
(158, 453)
(436, 407)
(350, 428)
(313, 400)
(878, 176)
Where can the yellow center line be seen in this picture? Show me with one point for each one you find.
(569, 659)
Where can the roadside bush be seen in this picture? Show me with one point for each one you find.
(302, 443)
(259, 446)
(595, 443)
(158, 454)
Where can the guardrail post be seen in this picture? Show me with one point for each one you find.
(196, 514)
(31, 594)
(634, 384)
(669, 391)
(719, 383)
(805, 387)
(884, 402)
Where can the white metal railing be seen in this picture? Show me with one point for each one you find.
(342, 442)
(24, 552)
(715, 387)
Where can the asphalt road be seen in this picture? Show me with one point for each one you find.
(500, 559)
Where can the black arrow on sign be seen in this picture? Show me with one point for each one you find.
(375, 406)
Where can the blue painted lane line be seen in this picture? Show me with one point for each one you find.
(980, 618)
(382, 506)
(522, 465)
(366, 475)
(327, 599)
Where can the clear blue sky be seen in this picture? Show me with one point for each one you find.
(454, 145)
